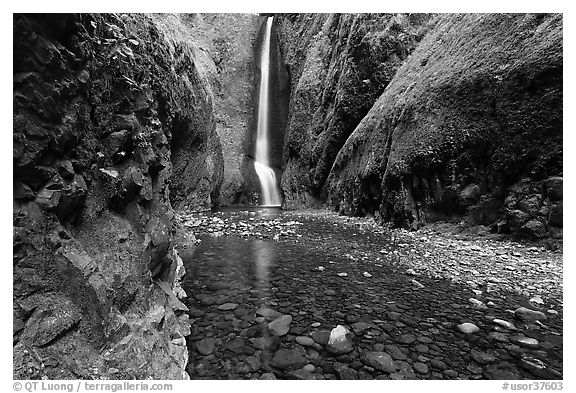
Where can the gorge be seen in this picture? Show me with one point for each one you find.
(417, 160)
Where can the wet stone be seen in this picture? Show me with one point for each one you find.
(500, 337)
(268, 313)
(482, 357)
(206, 346)
(438, 364)
(528, 315)
(379, 361)
(321, 337)
(420, 368)
(227, 306)
(395, 352)
(305, 341)
(280, 326)
(286, 359)
(468, 328)
(406, 338)
(527, 342)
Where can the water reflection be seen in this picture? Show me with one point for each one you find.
(264, 257)
(232, 267)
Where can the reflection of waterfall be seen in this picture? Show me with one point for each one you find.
(266, 175)
(264, 256)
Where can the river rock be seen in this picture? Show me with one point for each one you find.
(420, 368)
(280, 326)
(287, 359)
(227, 306)
(305, 341)
(527, 342)
(268, 313)
(482, 357)
(339, 342)
(206, 346)
(528, 315)
(321, 337)
(505, 324)
(378, 360)
(468, 328)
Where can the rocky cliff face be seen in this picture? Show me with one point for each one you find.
(469, 124)
(223, 46)
(112, 121)
(339, 65)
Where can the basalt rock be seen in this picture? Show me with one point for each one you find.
(113, 121)
(465, 129)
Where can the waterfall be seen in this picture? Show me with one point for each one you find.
(266, 175)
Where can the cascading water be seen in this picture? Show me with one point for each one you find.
(266, 175)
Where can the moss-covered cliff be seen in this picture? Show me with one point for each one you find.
(339, 65)
(112, 122)
(465, 123)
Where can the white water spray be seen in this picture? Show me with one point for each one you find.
(266, 175)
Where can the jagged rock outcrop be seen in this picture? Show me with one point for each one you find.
(470, 125)
(339, 64)
(104, 106)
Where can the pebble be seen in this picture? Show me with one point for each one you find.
(267, 376)
(406, 338)
(528, 315)
(280, 326)
(338, 342)
(309, 368)
(420, 368)
(305, 341)
(503, 323)
(468, 328)
(439, 364)
(228, 306)
(379, 361)
(206, 346)
(526, 342)
(268, 313)
(321, 337)
(287, 359)
(316, 324)
(482, 357)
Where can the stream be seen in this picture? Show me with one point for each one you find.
(267, 287)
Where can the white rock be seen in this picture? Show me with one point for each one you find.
(366, 274)
(503, 323)
(417, 284)
(343, 274)
(468, 328)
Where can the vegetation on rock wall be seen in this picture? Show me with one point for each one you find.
(339, 65)
(103, 107)
(471, 124)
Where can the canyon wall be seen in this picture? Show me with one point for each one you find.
(467, 125)
(339, 64)
(113, 125)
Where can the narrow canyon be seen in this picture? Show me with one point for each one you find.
(288, 196)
